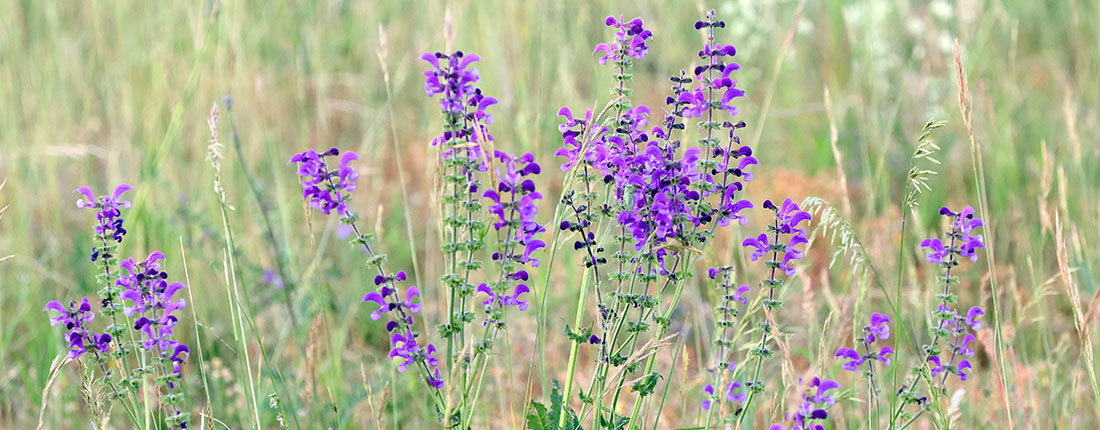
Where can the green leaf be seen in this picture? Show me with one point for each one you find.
(539, 417)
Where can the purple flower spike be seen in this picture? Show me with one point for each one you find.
(109, 227)
(963, 240)
(319, 187)
(74, 318)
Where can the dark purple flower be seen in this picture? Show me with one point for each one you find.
(630, 41)
(963, 241)
(108, 215)
(323, 188)
(75, 318)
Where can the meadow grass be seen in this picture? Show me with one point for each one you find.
(838, 95)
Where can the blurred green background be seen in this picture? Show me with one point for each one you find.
(100, 93)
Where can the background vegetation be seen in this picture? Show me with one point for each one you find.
(109, 92)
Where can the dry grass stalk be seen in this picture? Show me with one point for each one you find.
(846, 201)
(965, 109)
(316, 337)
(1079, 321)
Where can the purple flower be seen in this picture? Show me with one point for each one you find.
(271, 277)
(963, 367)
(963, 241)
(452, 76)
(156, 320)
(973, 318)
(405, 347)
(319, 187)
(788, 218)
(630, 41)
(937, 251)
(109, 215)
(879, 328)
(739, 296)
(884, 355)
(387, 300)
(938, 365)
(501, 300)
(514, 205)
(75, 318)
(855, 360)
(732, 396)
(963, 347)
(822, 394)
(709, 391)
(812, 407)
(760, 243)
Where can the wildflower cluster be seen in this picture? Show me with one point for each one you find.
(510, 207)
(146, 287)
(951, 327)
(879, 329)
(951, 332)
(140, 292)
(664, 198)
(514, 207)
(630, 41)
(322, 187)
(454, 79)
(109, 231)
(786, 234)
(330, 190)
(75, 318)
